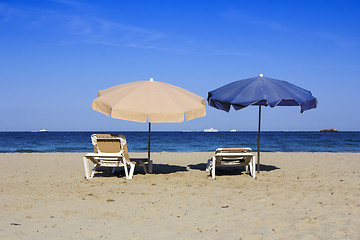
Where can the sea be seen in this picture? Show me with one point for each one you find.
(177, 141)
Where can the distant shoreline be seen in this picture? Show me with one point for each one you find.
(152, 131)
(165, 152)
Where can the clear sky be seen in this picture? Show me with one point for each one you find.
(56, 54)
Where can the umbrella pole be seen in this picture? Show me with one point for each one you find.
(258, 142)
(149, 143)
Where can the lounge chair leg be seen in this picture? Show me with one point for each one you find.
(144, 167)
(125, 169)
(208, 165)
(252, 167)
(150, 166)
(110, 171)
(86, 166)
(213, 168)
(132, 168)
(93, 170)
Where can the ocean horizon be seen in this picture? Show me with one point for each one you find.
(184, 141)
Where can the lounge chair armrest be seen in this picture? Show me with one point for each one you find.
(119, 154)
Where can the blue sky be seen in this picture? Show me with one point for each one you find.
(55, 56)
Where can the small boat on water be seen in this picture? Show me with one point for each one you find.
(233, 130)
(211, 130)
(43, 130)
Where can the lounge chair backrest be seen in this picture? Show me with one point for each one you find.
(232, 150)
(241, 160)
(107, 143)
(125, 148)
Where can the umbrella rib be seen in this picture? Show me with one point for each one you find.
(174, 90)
(242, 90)
(294, 95)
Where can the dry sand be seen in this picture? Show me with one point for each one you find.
(296, 196)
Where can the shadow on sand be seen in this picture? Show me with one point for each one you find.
(199, 166)
(157, 169)
(202, 167)
(168, 169)
(267, 168)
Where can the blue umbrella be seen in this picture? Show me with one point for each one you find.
(261, 91)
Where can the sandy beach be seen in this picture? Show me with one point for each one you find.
(295, 196)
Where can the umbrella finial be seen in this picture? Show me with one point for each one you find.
(151, 79)
(261, 75)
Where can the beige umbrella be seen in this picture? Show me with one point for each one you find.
(151, 101)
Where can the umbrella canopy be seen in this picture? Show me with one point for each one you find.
(151, 101)
(261, 91)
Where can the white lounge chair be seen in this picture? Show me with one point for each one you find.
(110, 150)
(136, 161)
(231, 157)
